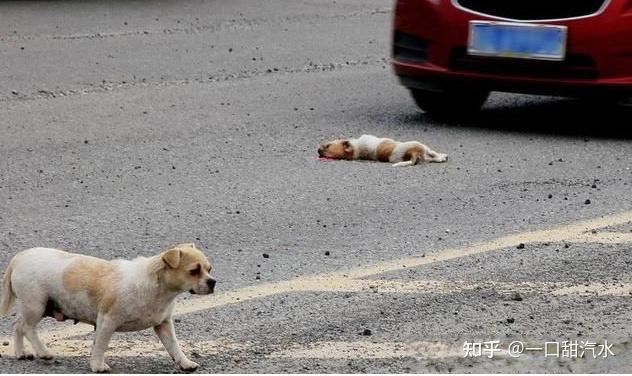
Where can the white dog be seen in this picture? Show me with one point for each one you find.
(400, 154)
(117, 295)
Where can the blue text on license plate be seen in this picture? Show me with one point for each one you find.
(505, 39)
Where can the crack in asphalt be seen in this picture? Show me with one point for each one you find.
(231, 25)
(553, 181)
(210, 79)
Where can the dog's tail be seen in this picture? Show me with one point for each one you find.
(8, 297)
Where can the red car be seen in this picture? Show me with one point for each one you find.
(452, 53)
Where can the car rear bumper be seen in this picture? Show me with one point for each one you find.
(434, 78)
(429, 52)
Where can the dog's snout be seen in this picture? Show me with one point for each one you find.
(211, 284)
(320, 151)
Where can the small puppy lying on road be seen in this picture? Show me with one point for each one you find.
(401, 154)
(117, 295)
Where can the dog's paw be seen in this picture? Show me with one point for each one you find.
(100, 368)
(188, 365)
(46, 356)
(25, 356)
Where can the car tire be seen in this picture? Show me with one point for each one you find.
(449, 103)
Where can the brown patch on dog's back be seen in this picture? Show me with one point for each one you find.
(414, 154)
(384, 150)
(98, 278)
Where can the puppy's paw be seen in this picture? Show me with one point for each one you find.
(100, 368)
(25, 356)
(187, 365)
(46, 356)
(403, 164)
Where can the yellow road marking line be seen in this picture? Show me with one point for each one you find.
(371, 350)
(149, 348)
(558, 234)
(442, 287)
(612, 289)
(424, 286)
(605, 238)
(131, 348)
(419, 350)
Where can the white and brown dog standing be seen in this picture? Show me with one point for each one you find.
(400, 154)
(117, 295)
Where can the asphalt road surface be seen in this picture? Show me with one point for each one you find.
(128, 126)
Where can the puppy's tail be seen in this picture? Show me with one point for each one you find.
(8, 297)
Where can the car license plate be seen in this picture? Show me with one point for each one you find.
(517, 40)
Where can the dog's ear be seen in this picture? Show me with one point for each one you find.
(347, 145)
(171, 257)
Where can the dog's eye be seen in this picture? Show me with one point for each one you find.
(196, 271)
